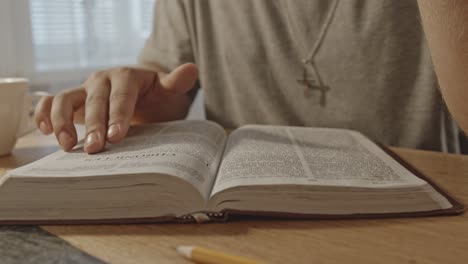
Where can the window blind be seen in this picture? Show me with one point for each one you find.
(82, 34)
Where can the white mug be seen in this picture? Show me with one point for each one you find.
(16, 112)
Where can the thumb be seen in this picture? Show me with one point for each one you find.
(181, 80)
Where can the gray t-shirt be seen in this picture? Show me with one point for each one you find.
(373, 57)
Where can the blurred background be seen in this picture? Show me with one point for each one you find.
(56, 44)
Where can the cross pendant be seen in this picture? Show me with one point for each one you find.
(309, 85)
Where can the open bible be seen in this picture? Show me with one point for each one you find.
(194, 171)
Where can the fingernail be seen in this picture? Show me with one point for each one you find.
(65, 140)
(113, 130)
(43, 127)
(92, 139)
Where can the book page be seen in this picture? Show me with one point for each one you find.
(269, 155)
(190, 150)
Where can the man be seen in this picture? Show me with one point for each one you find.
(362, 65)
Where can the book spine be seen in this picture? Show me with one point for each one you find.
(203, 217)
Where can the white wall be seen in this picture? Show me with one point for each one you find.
(7, 66)
(16, 52)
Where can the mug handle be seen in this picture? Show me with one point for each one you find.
(27, 121)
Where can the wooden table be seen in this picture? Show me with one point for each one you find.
(414, 240)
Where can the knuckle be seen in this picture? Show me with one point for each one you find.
(97, 76)
(96, 99)
(61, 97)
(124, 71)
(47, 98)
(121, 96)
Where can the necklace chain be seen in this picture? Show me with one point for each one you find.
(309, 59)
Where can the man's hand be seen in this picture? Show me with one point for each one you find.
(111, 99)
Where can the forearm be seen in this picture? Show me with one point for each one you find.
(445, 23)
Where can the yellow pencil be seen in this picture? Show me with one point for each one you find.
(209, 256)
